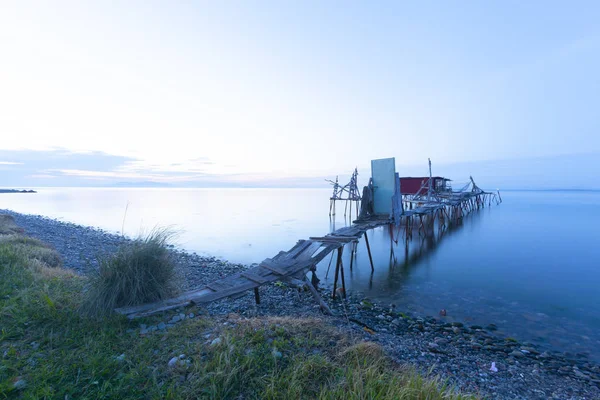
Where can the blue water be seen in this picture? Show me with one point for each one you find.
(530, 265)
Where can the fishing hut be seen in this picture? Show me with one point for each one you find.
(384, 202)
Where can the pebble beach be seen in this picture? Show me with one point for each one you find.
(471, 358)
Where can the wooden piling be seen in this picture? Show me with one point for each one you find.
(337, 271)
(369, 251)
(256, 296)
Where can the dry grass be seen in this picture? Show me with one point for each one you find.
(316, 361)
(8, 226)
(32, 249)
(43, 272)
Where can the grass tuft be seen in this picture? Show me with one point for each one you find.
(8, 226)
(32, 249)
(139, 272)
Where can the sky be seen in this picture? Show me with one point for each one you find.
(260, 93)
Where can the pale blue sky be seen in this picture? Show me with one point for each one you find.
(253, 92)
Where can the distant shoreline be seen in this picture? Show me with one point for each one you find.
(16, 191)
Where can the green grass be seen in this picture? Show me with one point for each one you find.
(62, 354)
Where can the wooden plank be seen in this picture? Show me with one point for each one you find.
(255, 278)
(274, 269)
(325, 253)
(339, 239)
(308, 251)
(150, 308)
(301, 246)
(218, 285)
(204, 298)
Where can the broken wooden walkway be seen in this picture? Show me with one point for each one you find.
(293, 264)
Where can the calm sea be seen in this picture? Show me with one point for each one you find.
(530, 265)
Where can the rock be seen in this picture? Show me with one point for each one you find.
(20, 384)
(35, 345)
(491, 327)
(175, 319)
(433, 347)
(579, 374)
(191, 315)
(181, 317)
(120, 357)
(216, 341)
(516, 354)
(457, 324)
(178, 362)
(277, 354)
(395, 322)
(162, 326)
(530, 350)
(143, 326)
(544, 355)
(173, 362)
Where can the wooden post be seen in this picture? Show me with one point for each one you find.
(315, 294)
(337, 271)
(352, 254)
(342, 271)
(330, 260)
(256, 296)
(369, 251)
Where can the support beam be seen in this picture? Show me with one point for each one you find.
(369, 251)
(256, 296)
(352, 252)
(324, 308)
(343, 279)
(337, 271)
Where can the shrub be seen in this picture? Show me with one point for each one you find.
(139, 272)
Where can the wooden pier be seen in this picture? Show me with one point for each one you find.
(294, 265)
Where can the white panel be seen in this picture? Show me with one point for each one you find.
(383, 172)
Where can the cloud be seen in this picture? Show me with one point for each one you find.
(62, 168)
(42, 176)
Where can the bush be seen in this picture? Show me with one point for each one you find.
(140, 272)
